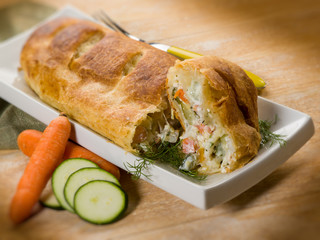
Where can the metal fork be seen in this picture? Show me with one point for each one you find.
(103, 17)
(176, 51)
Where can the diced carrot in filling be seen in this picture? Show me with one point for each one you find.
(201, 154)
(180, 94)
(189, 146)
(196, 108)
(204, 128)
(201, 128)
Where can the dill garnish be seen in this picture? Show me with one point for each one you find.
(138, 167)
(171, 153)
(167, 152)
(269, 138)
(164, 152)
(194, 174)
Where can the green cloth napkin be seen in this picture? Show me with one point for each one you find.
(12, 122)
(15, 18)
(20, 16)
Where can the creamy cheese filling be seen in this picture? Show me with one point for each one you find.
(205, 141)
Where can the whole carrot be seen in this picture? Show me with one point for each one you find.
(28, 140)
(43, 161)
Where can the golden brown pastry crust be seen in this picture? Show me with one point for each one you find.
(235, 102)
(228, 79)
(100, 78)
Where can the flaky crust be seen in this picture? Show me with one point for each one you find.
(100, 78)
(235, 102)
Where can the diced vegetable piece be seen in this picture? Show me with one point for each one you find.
(188, 113)
(82, 176)
(188, 145)
(218, 149)
(61, 175)
(189, 163)
(204, 128)
(180, 94)
(201, 128)
(100, 202)
(195, 90)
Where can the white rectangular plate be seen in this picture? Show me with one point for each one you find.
(296, 126)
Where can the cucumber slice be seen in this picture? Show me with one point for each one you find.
(82, 176)
(100, 202)
(50, 201)
(61, 174)
(48, 198)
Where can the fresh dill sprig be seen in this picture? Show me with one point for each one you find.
(138, 167)
(172, 154)
(168, 153)
(194, 174)
(164, 152)
(269, 138)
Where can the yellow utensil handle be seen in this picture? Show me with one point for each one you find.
(182, 53)
(186, 54)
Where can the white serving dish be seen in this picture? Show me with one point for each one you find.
(298, 128)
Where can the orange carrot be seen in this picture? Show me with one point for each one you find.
(43, 161)
(28, 140)
(180, 94)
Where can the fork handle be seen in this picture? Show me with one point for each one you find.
(182, 53)
(186, 54)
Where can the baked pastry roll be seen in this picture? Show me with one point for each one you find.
(216, 104)
(102, 79)
(117, 87)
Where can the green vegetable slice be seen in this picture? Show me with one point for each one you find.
(82, 176)
(100, 202)
(61, 175)
(50, 201)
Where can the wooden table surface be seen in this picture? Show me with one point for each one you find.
(279, 41)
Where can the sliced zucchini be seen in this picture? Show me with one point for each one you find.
(100, 202)
(82, 176)
(48, 198)
(61, 175)
(50, 201)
